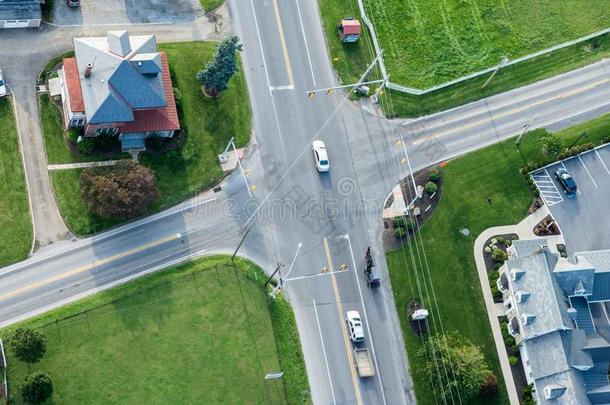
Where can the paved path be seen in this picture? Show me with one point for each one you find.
(82, 165)
(524, 230)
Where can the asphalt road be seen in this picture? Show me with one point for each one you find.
(328, 219)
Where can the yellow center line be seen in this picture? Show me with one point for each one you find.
(87, 267)
(280, 28)
(507, 113)
(348, 347)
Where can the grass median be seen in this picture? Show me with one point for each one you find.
(15, 222)
(207, 126)
(201, 332)
(481, 190)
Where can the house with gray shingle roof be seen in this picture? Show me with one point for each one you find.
(557, 311)
(20, 13)
(119, 85)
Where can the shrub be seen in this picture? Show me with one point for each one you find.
(501, 240)
(487, 249)
(509, 242)
(490, 386)
(513, 360)
(86, 146)
(499, 255)
(28, 345)
(430, 187)
(400, 233)
(551, 146)
(122, 191)
(509, 341)
(399, 222)
(434, 175)
(178, 97)
(73, 135)
(37, 388)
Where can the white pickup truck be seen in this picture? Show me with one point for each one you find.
(363, 361)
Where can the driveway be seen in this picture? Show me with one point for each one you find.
(583, 219)
(93, 12)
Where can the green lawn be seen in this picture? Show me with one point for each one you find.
(209, 5)
(428, 42)
(419, 54)
(209, 124)
(55, 143)
(66, 187)
(15, 222)
(493, 173)
(203, 332)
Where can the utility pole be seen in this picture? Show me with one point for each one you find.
(525, 128)
(241, 241)
(277, 269)
(502, 63)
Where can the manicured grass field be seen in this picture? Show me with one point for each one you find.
(430, 42)
(422, 55)
(208, 124)
(203, 332)
(15, 222)
(490, 173)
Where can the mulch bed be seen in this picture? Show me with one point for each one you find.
(427, 204)
(517, 370)
(547, 227)
(490, 263)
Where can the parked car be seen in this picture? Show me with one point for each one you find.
(354, 326)
(2, 84)
(566, 181)
(73, 3)
(320, 156)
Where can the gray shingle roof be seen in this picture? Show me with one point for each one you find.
(20, 10)
(138, 90)
(114, 85)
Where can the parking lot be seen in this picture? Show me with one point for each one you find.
(584, 219)
(93, 12)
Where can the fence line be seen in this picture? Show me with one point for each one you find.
(3, 365)
(419, 92)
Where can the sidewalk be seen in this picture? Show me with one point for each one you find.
(66, 166)
(525, 230)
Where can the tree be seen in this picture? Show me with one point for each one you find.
(434, 175)
(37, 388)
(551, 146)
(454, 367)
(215, 76)
(28, 345)
(122, 191)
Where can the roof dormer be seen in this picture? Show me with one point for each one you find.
(516, 274)
(522, 296)
(527, 319)
(553, 391)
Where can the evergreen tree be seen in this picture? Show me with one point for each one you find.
(215, 76)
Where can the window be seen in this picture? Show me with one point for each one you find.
(77, 122)
(105, 131)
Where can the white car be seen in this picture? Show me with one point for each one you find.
(354, 326)
(320, 156)
(2, 85)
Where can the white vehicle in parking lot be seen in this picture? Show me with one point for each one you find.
(354, 326)
(320, 156)
(2, 84)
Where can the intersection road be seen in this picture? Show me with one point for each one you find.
(325, 220)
